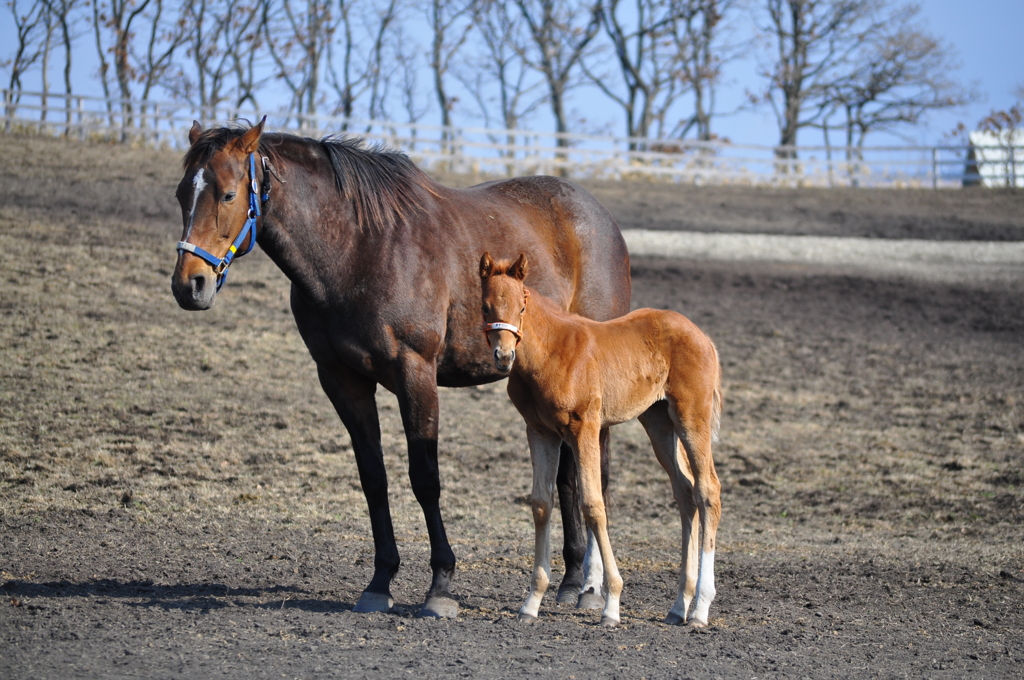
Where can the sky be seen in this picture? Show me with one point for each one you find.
(989, 43)
(985, 34)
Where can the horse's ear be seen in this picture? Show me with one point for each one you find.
(250, 141)
(518, 268)
(194, 133)
(486, 265)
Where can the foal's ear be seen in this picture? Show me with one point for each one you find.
(194, 133)
(250, 141)
(518, 268)
(486, 265)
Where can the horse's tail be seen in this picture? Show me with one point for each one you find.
(716, 397)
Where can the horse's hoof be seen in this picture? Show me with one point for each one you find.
(674, 619)
(438, 608)
(373, 602)
(697, 623)
(590, 600)
(568, 595)
(609, 622)
(527, 618)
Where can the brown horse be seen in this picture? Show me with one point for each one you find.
(381, 260)
(571, 378)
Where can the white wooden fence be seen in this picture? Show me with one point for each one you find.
(518, 152)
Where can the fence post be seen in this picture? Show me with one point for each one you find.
(81, 119)
(8, 106)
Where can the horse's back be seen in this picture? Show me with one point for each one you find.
(592, 251)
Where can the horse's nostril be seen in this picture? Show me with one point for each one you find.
(198, 285)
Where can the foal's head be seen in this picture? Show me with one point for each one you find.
(214, 195)
(504, 304)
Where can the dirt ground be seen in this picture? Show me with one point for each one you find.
(178, 499)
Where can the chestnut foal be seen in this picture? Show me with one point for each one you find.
(570, 377)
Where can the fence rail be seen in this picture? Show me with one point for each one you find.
(517, 152)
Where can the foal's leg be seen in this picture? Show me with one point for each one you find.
(353, 398)
(544, 455)
(669, 452)
(588, 454)
(590, 596)
(694, 430)
(416, 388)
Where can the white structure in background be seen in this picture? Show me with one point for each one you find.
(995, 159)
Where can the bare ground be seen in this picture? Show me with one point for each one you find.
(177, 497)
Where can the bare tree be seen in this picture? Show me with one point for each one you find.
(813, 42)
(116, 19)
(642, 35)
(702, 54)
(450, 23)
(361, 69)
(297, 35)
(495, 74)
(62, 12)
(154, 58)
(562, 33)
(29, 20)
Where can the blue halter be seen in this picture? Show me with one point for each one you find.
(220, 264)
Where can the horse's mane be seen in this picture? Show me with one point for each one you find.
(382, 184)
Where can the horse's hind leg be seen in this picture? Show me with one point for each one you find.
(694, 430)
(544, 455)
(353, 398)
(659, 427)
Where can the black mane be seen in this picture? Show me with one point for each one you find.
(382, 184)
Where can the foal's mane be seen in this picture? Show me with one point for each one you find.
(382, 185)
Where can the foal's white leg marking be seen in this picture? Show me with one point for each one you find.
(544, 454)
(593, 570)
(198, 184)
(705, 588)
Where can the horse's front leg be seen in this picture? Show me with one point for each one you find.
(588, 456)
(353, 398)
(416, 388)
(544, 455)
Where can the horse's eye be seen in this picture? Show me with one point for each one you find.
(228, 197)
(523, 310)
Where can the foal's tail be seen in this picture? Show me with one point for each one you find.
(716, 396)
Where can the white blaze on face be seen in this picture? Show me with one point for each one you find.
(198, 184)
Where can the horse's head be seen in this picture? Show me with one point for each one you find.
(504, 304)
(220, 201)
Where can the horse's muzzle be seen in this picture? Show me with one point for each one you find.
(197, 293)
(503, 359)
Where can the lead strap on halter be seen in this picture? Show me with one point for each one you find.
(220, 264)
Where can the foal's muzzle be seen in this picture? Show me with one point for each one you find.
(503, 359)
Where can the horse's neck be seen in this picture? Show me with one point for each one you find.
(300, 229)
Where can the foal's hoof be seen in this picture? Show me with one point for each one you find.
(527, 618)
(697, 623)
(438, 608)
(590, 600)
(674, 619)
(568, 595)
(609, 622)
(373, 602)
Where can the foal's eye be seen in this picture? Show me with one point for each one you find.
(228, 197)
(523, 310)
